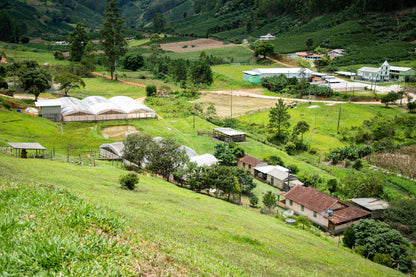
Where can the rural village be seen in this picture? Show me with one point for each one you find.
(148, 146)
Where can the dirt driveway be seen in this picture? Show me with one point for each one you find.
(194, 45)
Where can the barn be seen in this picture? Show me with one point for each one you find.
(93, 108)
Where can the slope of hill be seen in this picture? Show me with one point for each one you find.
(170, 230)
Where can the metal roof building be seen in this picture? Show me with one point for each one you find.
(255, 75)
(21, 149)
(228, 134)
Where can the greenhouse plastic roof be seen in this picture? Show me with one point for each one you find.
(95, 105)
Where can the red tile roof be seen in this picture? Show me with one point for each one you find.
(320, 202)
(250, 160)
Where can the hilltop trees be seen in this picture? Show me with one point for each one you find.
(114, 42)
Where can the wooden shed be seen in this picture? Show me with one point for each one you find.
(21, 149)
(228, 134)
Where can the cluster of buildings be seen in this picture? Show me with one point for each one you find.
(386, 72)
(255, 75)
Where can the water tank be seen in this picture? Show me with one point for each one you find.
(329, 212)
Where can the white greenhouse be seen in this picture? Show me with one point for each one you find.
(93, 108)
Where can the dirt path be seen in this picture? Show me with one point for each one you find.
(243, 93)
(123, 81)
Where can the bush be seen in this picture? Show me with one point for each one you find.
(254, 200)
(294, 169)
(358, 164)
(25, 39)
(59, 56)
(151, 90)
(290, 148)
(129, 181)
(383, 259)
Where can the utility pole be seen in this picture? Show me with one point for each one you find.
(339, 118)
(231, 101)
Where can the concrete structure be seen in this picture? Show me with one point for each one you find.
(249, 163)
(255, 75)
(93, 108)
(327, 211)
(228, 134)
(267, 37)
(282, 179)
(21, 149)
(373, 205)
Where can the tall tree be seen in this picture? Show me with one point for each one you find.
(159, 23)
(264, 48)
(301, 127)
(68, 81)
(78, 39)
(35, 81)
(309, 43)
(279, 118)
(114, 42)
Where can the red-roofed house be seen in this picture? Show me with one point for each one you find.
(325, 210)
(249, 162)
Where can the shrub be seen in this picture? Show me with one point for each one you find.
(59, 56)
(129, 181)
(290, 147)
(254, 200)
(25, 39)
(383, 259)
(294, 169)
(358, 164)
(151, 90)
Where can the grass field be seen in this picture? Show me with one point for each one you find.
(107, 88)
(325, 137)
(173, 229)
(236, 71)
(41, 57)
(235, 54)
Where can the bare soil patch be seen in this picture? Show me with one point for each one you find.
(242, 105)
(194, 45)
(37, 41)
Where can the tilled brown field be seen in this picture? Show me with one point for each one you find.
(194, 45)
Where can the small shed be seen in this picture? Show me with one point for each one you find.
(50, 109)
(21, 149)
(373, 205)
(112, 151)
(228, 134)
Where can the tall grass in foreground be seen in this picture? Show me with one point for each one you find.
(47, 231)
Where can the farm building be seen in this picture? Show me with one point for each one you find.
(375, 206)
(93, 108)
(228, 134)
(267, 37)
(327, 211)
(249, 163)
(255, 75)
(386, 72)
(277, 176)
(21, 149)
(112, 151)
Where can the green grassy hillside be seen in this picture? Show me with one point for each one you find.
(169, 229)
